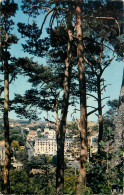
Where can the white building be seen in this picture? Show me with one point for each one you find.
(45, 146)
(49, 133)
(32, 135)
(68, 141)
(93, 142)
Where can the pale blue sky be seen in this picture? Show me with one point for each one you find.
(112, 75)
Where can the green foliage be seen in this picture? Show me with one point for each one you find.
(70, 182)
(1, 137)
(1, 179)
(19, 138)
(43, 184)
(113, 104)
(40, 160)
(22, 156)
(95, 128)
(22, 183)
(85, 190)
(73, 127)
(25, 131)
(15, 134)
(15, 145)
(54, 160)
(1, 129)
(110, 116)
(15, 130)
(19, 182)
(97, 175)
(1, 133)
(101, 177)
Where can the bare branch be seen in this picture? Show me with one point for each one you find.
(107, 61)
(101, 53)
(91, 54)
(41, 6)
(90, 65)
(52, 108)
(92, 112)
(51, 10)
(96, 114)
(49, 120)
(52, 18)
(91, 107)
(105, 87)
(105, 18)
(105, 97)
(92, 96)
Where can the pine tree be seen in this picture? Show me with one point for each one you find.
(8, 9)
(37, 46)
(82, 91)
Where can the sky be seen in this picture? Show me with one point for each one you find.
(112, 75)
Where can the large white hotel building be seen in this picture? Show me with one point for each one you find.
(47, 144)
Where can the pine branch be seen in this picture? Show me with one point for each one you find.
(105, 98)
(91, 107)
(104, 18)
(92, 96)
(108, 62)
(105, 87)
(92, 112)
(90, 65)
(51, 10)
(49, 121)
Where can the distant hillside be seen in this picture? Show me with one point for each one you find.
(89, 124)
(15, 121)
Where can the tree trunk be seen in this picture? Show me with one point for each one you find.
(6, 130)
(65, 104)
(100, 117)
(57, 117)
(82, 90)
(99, 112)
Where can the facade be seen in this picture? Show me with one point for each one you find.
(45, 146)
(93, 142)
(32, 135)
(49, 133)
(68, 141)
(48, 146)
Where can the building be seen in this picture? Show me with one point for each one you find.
(17, 165)
(32, 135)
(68, 142)
(49, 133)
(45, 146)
(48, 146)
(93, 141)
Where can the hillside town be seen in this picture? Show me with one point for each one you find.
(42, 141)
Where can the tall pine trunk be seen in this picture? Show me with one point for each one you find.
(82, 91)
(100, 117)
(65, 104)
(6, 168)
